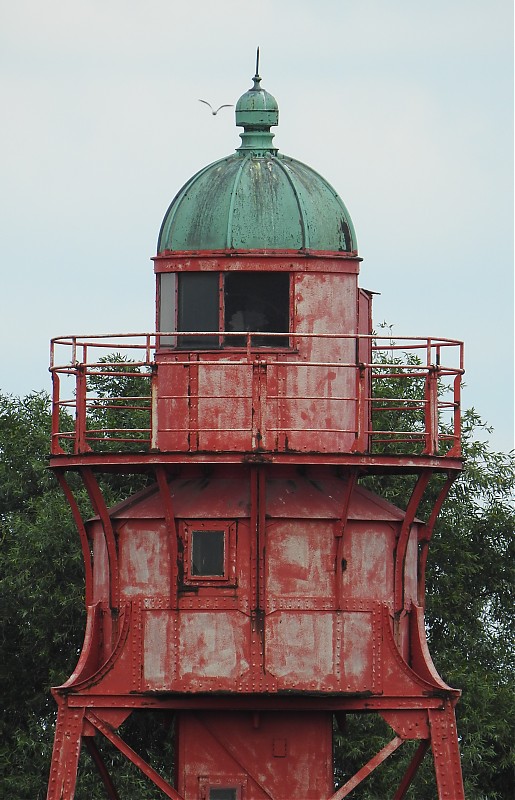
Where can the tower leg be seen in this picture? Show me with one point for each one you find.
(446, 754)
(66, 751)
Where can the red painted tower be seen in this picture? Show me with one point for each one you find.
(255, 589)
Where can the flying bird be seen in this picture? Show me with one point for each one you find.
(226, 105)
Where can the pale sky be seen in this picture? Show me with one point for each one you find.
(404, 106)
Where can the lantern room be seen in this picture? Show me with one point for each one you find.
(257, 271)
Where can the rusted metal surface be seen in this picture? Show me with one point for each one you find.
(254, 752)
(293, 611)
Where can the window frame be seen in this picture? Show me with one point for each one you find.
(224, 340)
(187, 529)
(233, 782)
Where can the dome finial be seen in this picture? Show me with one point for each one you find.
(256, 76)
(256, 113)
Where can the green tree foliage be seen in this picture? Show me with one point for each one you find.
(42, 606)
(41, 584)
(119, 406)
(469, 616)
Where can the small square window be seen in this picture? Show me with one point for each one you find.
(223, 787)
(208, 553)
(226, 793)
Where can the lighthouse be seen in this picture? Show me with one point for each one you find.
(255, 589)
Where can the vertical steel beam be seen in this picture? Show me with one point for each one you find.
(80, 409)
(55, 447)
(342, 522)
(446, 753)
(360, 443)
(171, 529)
(431, 411)
(66, 752)
(193, 399)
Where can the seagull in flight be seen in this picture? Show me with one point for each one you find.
(226, 105)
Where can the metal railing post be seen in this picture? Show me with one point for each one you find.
(431, 411)
(154, 422)
(80, 409)
(361, 409)
(55, 446)
(456, 444)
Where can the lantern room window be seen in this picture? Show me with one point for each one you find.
(198, 308)
(229, 303)
(257, 301)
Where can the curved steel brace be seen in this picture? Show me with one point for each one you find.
(421, 660)
(402, 544)
(84, 541)
(78, 681)
(426, 534)
(400, 680)
(87, 664)
(97, 501)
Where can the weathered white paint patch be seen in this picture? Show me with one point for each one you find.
(357, 651)
(156, 630)
(100, 565)
(212, 644)
(369, 563)
(411, 567)
(299, 645)
(300, 559)
(144, 568)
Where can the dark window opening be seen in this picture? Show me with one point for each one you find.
(252, 301)
(208, 553)
(198, 308)
(257, 301)
(222, 794)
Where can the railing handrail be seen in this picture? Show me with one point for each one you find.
(414, 358)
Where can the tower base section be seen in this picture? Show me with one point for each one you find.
(253, 753)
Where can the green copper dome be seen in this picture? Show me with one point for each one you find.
(257, 198)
